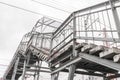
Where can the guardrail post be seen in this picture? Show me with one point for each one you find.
(74, 54)
(115, 16)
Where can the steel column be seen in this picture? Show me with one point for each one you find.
(55, 76)
(15, 68)
(35, 74)
(105, 78)
(51, 45)
(52, 76)
(71, 72)
(26, 62)
(74, 53)
(39, 64)
(24, 70)
(115, 16)
(74, 35)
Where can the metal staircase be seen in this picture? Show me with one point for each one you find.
(87, 42)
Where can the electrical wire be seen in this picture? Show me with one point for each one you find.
(58, 3)
(64, 4)
(29, 10)
(51, 6)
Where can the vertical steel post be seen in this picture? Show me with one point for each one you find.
(52, 76)
(73, 66)
(15, 68)
(24, 70)
(51, 45)
(74, 35)
(38, 71)
(115, 16)
(39, 65)
(104, 78)
(71, 72)
(85, 24)
(34, 76)
(55, 76)
(26, 62)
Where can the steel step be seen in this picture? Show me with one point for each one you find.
(108, 54)
(86, 48)
(116, 58)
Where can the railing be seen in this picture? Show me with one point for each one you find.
(38, 40)
(41, 40)
(39, 37)
(95, 24)
(98, 22)
(63, 35)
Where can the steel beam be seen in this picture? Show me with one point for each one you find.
(99, 39)
(33, 70)
(97, 31)
(95, 59)
(100, 61)
(72, 61)
(38, 66)
(85, 73)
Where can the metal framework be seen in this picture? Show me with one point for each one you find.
(87, 43)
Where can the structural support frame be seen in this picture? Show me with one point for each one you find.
(15, 68)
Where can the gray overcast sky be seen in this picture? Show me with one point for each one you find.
(14, 23)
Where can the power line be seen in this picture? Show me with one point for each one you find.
(53, 1)
(28, 10)
(51, 6)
